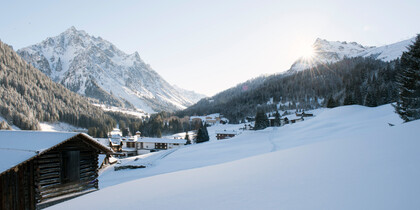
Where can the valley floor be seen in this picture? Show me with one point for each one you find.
(344, 158)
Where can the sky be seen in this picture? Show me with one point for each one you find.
(211, 45)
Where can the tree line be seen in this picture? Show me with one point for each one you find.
(363, 81)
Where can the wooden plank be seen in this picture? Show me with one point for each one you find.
(88, 174)
(49, 165)
(87, 169)
(50, 176)
(49, 181)
(31, 186)
(50, 170)
(49, 155)
(15, 191)
(48, 160)
(65, 192)
(66, 187)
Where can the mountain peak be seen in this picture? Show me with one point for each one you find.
(72, 29)
(94, 67)
(333, 51)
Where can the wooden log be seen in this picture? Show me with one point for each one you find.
(50, 176)
(65, 187)
(86, 174)
(80, 188)
(49, 181)
(48, 160)
(49, 155)
(49, 170)
(87, 169)
(49, 165)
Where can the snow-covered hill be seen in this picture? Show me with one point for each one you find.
(94, 67)
(333, 51)
(343, 158)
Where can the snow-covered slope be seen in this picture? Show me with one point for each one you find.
(344, 158)
(388, 52)
(191, 95)
(333, 51)
(94, 67)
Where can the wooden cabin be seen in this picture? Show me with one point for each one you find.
(40, 169)
(225, 134)
(303, 114)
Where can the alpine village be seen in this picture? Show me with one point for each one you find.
(85, 125)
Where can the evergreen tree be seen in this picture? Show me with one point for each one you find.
(187, 137)
(202, 134)
(159, 133)
(4, 126)
(348, 100)
(261, 120)
(408, 104)
(331, 103)
(277, 118)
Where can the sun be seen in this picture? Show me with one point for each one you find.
(308, 52)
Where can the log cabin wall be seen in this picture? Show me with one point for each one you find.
(41, 182)
(17, 188)
(57, 175)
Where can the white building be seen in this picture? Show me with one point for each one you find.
(146, 145)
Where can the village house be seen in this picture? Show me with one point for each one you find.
(225, 134)
(40, 169)
(146, 145)
(129, 146)
(211, 119)
(272, 121)
(303, 114)
(296, 120)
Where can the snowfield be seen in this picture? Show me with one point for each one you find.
(343, 158)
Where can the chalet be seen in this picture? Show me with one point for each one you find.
(296, 120)
(146, 145)
(40, 169)
(303, 114)
(129, 148)
(225, 134)
(272, 121)
(115, 143)
(211, 119)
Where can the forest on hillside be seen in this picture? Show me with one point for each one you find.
(27, 97)
(363, 81)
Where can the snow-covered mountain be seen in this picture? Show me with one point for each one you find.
(94, 67)
(191, 95)
(333, 51)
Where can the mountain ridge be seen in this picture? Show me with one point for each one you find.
(333, 51)
(96, 68)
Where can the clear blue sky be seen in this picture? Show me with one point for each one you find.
(209, 46)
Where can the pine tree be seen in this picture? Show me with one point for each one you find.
(159, 133)
(331, 103)
(187, 137)
(277, 118)
(261, 120)
(202, 134)
(408, 104)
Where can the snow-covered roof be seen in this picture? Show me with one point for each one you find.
(160, 140)
(115, 141)
(19, 146)
(103, 141)
(227, 132)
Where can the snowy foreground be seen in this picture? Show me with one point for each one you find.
(344, 158)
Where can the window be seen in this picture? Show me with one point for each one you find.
(70, 168)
